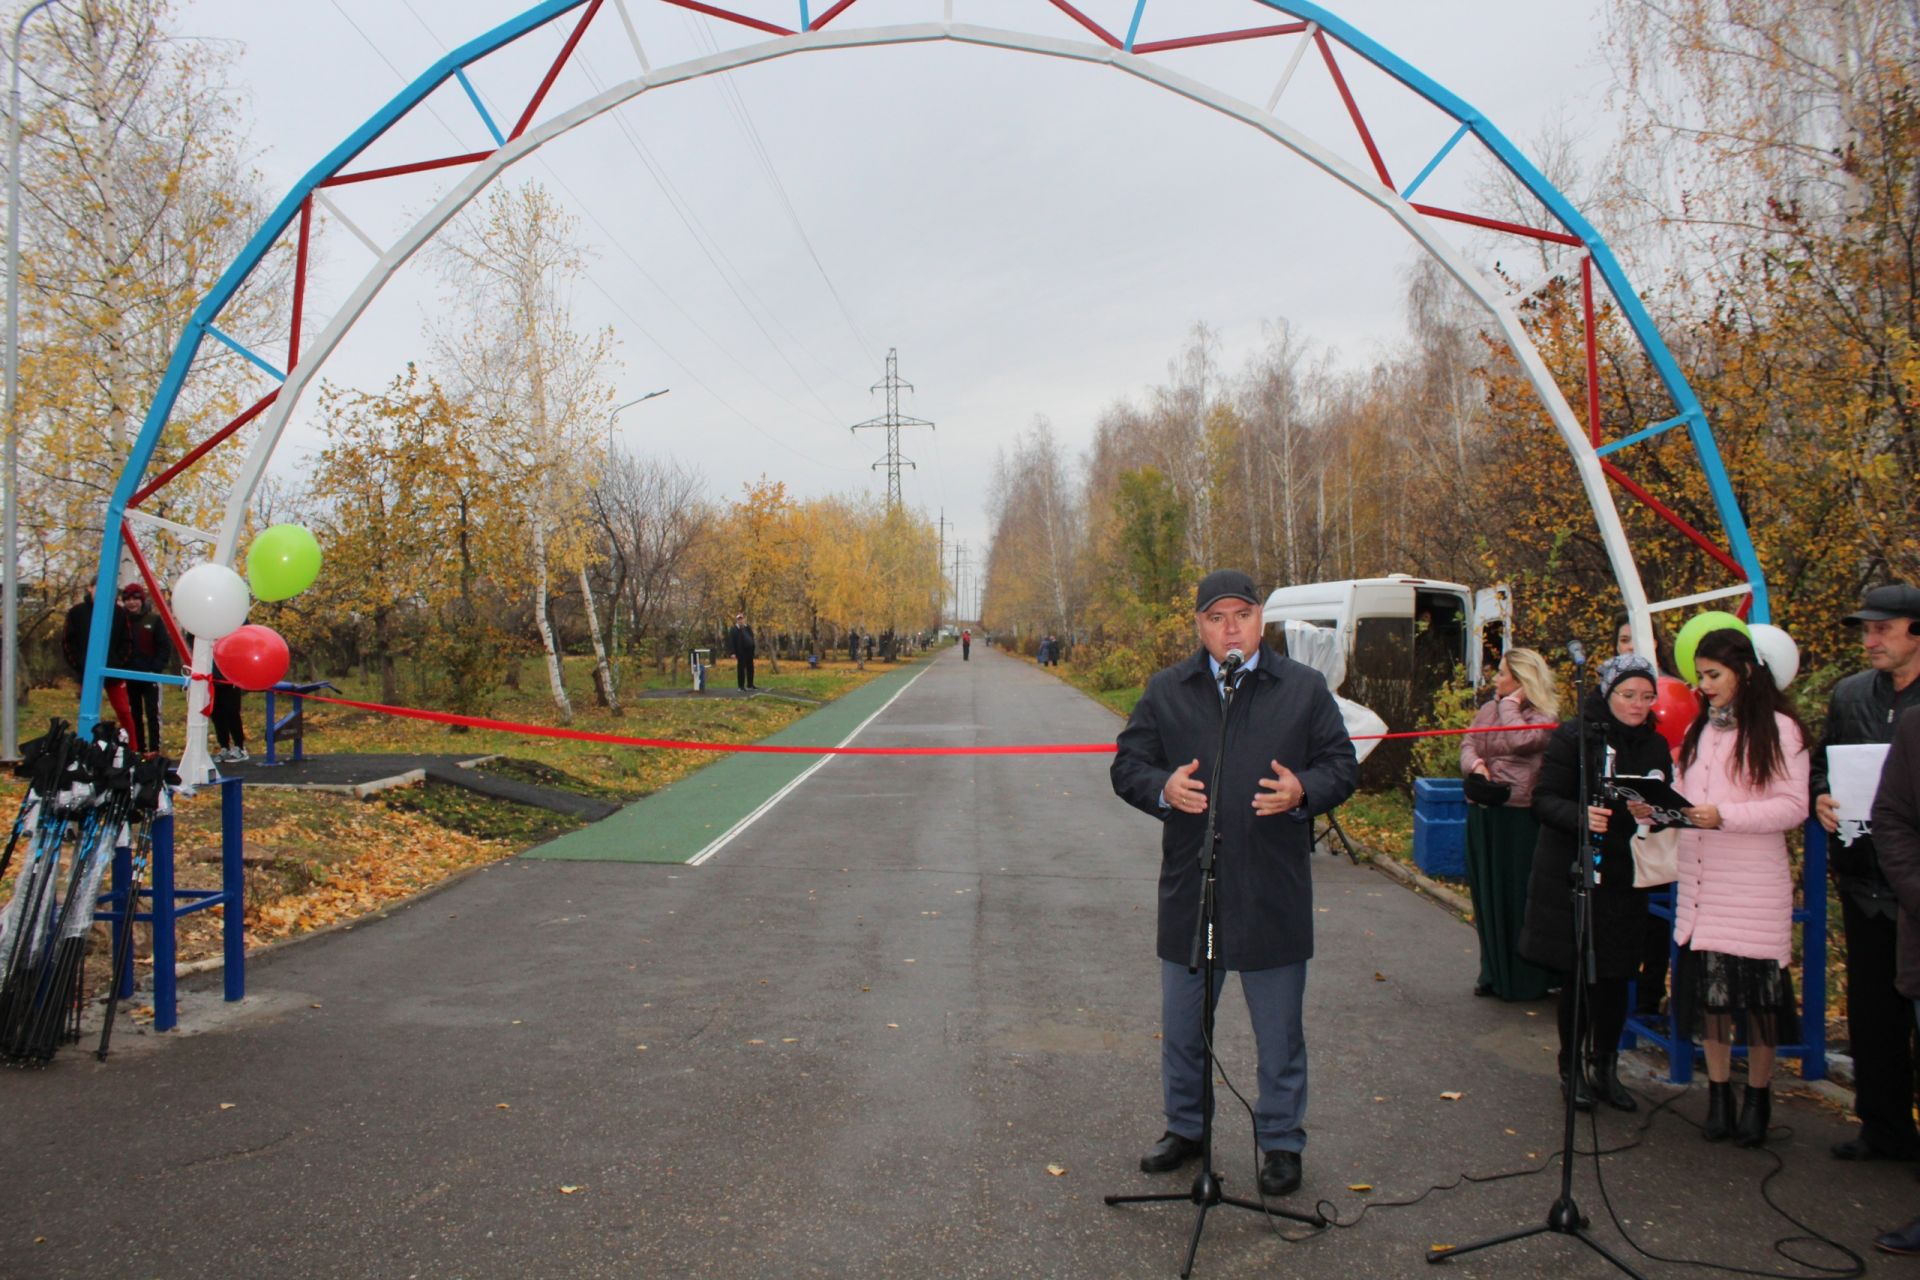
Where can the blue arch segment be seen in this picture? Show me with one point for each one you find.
(453, 65)
(1690, 412)
(201, 323)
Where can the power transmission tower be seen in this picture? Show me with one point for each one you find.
(959, 592)
(940, 560)
(892, 421)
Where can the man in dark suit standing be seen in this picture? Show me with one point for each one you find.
(1287, 758)
(740, 643)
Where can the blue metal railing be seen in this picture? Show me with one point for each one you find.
(167, 903)
(294, 723)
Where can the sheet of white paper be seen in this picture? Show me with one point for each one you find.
(1853, 775)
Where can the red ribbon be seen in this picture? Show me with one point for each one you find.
(760, 748)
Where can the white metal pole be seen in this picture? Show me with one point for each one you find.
(9, 501)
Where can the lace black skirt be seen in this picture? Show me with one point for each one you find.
(1714, 993)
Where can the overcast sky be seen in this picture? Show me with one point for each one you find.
(1035, 237)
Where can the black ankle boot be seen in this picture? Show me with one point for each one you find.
(1605, 1071)
(1756, 1115)
(1719, 1112)
(1582, 1098)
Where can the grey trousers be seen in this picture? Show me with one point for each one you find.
(1274, 999)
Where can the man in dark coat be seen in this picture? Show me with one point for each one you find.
(740, 645)
(1880, 1020)
(1288, 758)
(1896, 838)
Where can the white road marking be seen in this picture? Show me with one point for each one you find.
(724, 840)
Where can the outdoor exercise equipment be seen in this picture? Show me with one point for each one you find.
(1352, 156)
(1693, 632)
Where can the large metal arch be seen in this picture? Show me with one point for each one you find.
(1418, 221)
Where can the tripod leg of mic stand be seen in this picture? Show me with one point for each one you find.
(1455, 1250)
(1193, 1241)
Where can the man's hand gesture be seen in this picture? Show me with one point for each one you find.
(1282, 793)
(1184, 792)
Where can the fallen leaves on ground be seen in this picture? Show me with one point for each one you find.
(399, 855)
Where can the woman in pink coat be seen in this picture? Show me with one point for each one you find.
(1744, 765)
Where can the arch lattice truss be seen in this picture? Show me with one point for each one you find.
(1297, 30)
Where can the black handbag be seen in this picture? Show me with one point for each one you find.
(1481, 789)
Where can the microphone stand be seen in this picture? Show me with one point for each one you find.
(1564, 1217)
(1207, 1190)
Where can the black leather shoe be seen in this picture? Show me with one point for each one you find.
(1901, 1239)
(1483, 989)
(1719, 1126)
(1861, 1149)
(1170, 1153)
(1280, 1173)
(1756, 1117)
(1604, 1082)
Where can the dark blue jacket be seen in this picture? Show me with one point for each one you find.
(1283, 711)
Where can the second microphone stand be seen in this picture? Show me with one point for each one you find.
(1564, 1217)
(1208, 1190)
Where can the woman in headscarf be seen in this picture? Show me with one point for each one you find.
(1500, 768)
(1617, 719)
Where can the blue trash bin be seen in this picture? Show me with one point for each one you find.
(1440, 826)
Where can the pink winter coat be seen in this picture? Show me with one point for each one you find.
(1513, 758)
(1735, 893)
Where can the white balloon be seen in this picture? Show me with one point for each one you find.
(1777, 649)
(211, 600)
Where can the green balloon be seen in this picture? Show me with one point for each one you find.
(1690, 635)
(283, 561)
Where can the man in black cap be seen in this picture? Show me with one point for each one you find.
(1287, 759)
(1880, 1021)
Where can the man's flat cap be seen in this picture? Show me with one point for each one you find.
(1896, 600)
(1224, 584)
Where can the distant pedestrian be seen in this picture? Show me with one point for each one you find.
(966, 645)
(148, 650)
(869, 646)
(853, 649)
(740, 645)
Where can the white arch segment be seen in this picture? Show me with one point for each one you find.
(1492, 295)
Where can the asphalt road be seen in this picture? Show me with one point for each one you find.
(858, 1042)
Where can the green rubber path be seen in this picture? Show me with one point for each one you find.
(676, 822)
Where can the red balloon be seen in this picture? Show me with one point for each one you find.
(1674, 709)
(253, 657)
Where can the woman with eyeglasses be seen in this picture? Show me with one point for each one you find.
(1617, 720)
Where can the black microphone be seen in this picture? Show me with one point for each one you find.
(1578, 652)
(1231, 663)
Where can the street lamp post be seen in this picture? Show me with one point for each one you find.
(613, 609)
(9, 503)
(616, 410)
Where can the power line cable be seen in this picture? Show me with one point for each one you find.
(615, 241)
(745, 117)
(711, 249)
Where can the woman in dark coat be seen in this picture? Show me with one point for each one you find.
(1618, 714)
